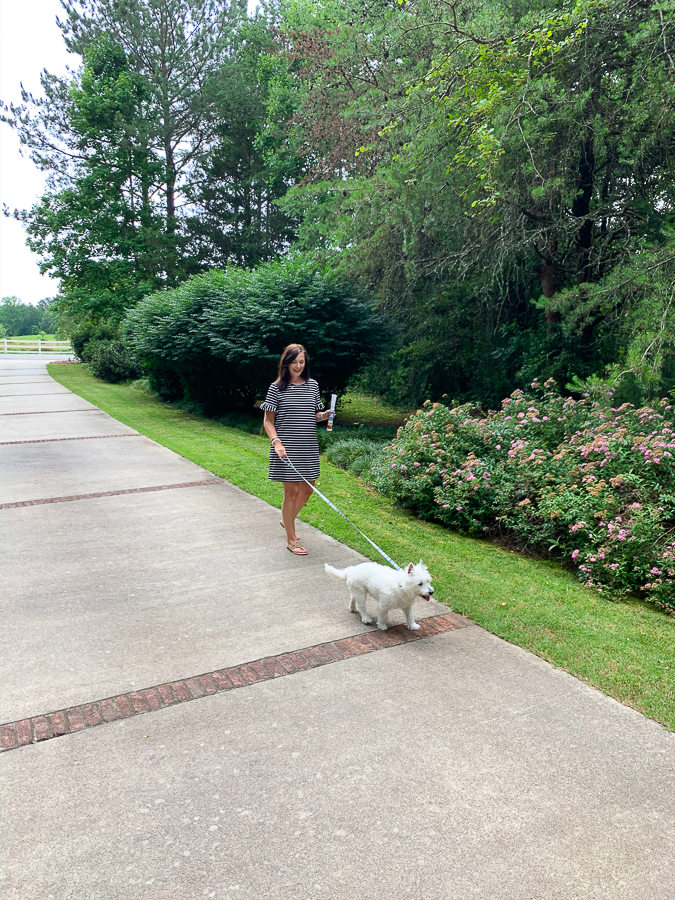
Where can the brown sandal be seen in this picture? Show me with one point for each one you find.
(296, 548)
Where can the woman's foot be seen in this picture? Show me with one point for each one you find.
(296, 548)
(297, 537)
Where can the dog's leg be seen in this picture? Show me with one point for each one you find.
(359, 595)
(412, 624)
(382, 614)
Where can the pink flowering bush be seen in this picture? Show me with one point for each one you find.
(593, 483)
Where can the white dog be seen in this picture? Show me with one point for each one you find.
(392, 589)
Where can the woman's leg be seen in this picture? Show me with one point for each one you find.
(291, 491)
(304, 493)
(296, 494)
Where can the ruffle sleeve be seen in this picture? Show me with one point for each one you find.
(271, 400)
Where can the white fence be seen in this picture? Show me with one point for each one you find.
(33, 345)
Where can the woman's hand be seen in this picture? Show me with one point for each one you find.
(281, 450)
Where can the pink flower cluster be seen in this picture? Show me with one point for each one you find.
(594, 482)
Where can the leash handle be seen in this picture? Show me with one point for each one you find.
(333, 506)
(331, 415)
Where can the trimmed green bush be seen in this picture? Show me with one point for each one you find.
(85, 337)
(591, 482)
(112, 361)
(356, 454)
(216, 339)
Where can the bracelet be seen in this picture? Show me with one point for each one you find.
(276, 439)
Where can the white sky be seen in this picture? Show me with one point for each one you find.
(29, 42)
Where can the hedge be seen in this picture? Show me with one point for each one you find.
(216, 339)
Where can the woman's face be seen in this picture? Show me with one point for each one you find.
(297, 367)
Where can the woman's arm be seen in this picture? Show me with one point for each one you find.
(322, 415)
(268, 424)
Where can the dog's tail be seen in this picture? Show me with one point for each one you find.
(339, 573)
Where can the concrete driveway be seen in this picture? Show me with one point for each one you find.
(190, 711)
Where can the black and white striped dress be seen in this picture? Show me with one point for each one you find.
(295, 422)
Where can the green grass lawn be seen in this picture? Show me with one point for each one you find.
(31, 337)
(355, 408)
(626, 650)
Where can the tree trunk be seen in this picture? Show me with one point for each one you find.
(548, 276)
(581, 208)
(170, 188)
(171, 256)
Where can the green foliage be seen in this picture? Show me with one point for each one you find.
(500, 175)
(19, 318)
(174, 50)
(216, 339)
(356, 454)
(375, 435)
(95, 228)
(112, 361)
(476, 162)
(87, 335)
(594, 482)
(633, 315)
(155, 171)
(234, 191)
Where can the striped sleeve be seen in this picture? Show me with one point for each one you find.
(317, 398)
(272, 399)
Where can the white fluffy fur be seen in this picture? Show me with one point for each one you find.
(391, 589)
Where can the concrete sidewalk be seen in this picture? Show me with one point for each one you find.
(454, 766)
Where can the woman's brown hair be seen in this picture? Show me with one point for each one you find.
(291, 353)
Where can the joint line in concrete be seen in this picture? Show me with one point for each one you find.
(88, 437)
(43, 394)
(47, 412)
(44, 727)
(141, 490)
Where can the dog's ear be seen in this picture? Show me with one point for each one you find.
(410, 568)
(420, 563)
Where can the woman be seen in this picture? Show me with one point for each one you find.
(292, 409)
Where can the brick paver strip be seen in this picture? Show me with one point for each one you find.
(48, 412)
(75, 720)
(89, 437)
(92, 714)
(135, 703)
(144, 490)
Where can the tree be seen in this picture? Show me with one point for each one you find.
(96, 228)
(49, 320)
(177, 47)
(19, 318)
(472, 162)
(236, 217)
(155, 172)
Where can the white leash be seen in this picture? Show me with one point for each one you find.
(333, 506)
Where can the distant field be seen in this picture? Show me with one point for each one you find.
(31, 337)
